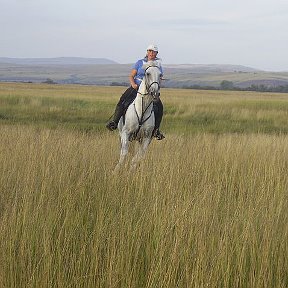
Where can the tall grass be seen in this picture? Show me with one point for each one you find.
(201, 211)
(206, 208)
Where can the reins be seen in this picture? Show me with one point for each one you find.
(140, 119)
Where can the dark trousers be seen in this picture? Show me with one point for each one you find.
(128, 97)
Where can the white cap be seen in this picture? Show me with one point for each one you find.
(152, 47)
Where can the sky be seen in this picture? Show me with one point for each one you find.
(252, 33)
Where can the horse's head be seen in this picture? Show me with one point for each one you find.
(152, 78)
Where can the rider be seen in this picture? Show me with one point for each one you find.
(129, 95)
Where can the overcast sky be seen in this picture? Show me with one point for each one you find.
(247, 32)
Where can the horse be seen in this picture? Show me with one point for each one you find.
(139, 118)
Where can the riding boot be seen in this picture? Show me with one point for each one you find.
(113, 124)
(158, 112)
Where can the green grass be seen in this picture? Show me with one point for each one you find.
(72, 107)
(227, 112)
(203, 209)
(87, 108)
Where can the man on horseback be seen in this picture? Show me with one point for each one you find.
(130, 94)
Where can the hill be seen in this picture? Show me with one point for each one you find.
(100, 71)
(56, 61)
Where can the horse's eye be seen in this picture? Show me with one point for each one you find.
(148, 74)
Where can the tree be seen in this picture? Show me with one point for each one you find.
(226, 85)
(49, 81)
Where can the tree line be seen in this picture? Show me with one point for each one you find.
(228, 85)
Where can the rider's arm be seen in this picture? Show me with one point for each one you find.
(131, 79)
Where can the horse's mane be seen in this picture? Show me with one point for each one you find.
(153, 63)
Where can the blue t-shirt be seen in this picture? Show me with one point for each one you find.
(140, 71)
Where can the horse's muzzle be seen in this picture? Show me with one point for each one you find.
(155, 96)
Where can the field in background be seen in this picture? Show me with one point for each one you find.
(87, 108)
(206, 208)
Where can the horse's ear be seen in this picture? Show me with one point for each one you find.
(145, 65)
(159, 62)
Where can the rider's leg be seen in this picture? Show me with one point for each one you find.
(119, 110)
(158, 112)
(125, 100)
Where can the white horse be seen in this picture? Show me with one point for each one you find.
(139, 119)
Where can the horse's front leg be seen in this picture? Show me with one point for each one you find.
(124, 149)
(142, 148)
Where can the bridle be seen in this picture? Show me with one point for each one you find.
(141, 121)
(150, 85)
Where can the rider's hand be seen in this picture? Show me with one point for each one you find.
(135, 86)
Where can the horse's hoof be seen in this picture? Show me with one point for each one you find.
(111, 125)
(158, 135)
(116, 169)
(132, 137)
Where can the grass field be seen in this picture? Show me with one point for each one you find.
(87, 108)
(206, 208)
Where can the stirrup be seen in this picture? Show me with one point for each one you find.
(111, 125)
(158, 135)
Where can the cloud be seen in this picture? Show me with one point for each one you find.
(187, 23)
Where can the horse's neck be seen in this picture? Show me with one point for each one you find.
(143, 100)
(142, 88)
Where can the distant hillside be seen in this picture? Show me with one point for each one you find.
(211, 68)
(56, 61)
(99, 71)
